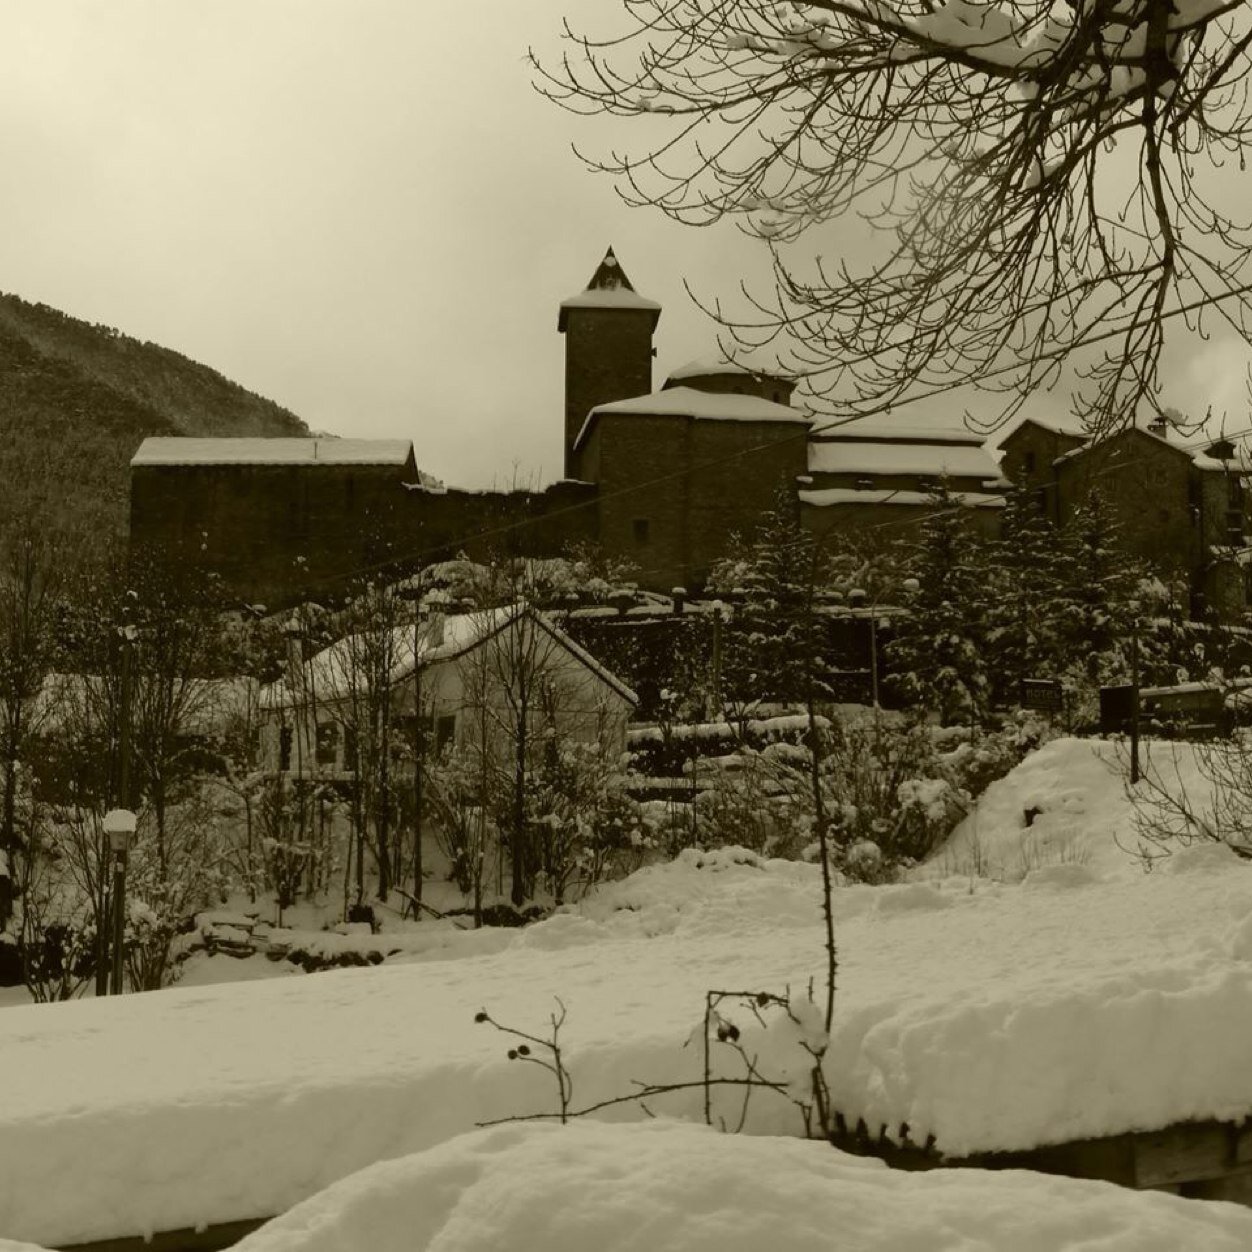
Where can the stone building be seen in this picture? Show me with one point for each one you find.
(278, 519)
(663, 477)
(1181, 503)
(880, 475)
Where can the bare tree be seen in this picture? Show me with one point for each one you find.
(357, 679)
(1042, 175)
(32, 573)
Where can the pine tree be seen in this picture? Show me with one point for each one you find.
(1023, 621)
(939, 651)
(778, 645)
(1099, 586)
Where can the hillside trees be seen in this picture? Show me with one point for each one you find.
(1043, 179)
(32, 574)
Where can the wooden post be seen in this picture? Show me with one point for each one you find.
(419, 765)
(1134, 699)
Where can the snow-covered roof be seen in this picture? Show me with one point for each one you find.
(709, 406)
(175, 450)
(1196, 448)
(718, 363)
(1065, 425)
(609, 298)
(332, 671)
(609, 288)
(886, 430)
(955, 460)
(828, 496)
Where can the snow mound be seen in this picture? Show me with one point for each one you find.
(676, 1187)
(1068, 805)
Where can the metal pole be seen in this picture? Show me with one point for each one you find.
(419, 765)
(716, 711)
(873, 655)
(119, 920)
(123, 799)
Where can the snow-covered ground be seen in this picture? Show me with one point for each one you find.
(671, 1187)
(1086, 999)
(1076, 789)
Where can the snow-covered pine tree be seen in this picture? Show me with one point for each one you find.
(778, 646)
(1023, 618)
(1097, 598)
(938, 654)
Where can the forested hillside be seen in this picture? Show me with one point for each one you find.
(77, 399)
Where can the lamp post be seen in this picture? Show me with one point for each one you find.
(119, 827)
(1134, 692)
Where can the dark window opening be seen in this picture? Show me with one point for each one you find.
(1030, 462)
(445, 731)
(284, 748)
(640, 529)
(327, 743)
(777, 397)
(349, 749)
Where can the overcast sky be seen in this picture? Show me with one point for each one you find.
(358, 208)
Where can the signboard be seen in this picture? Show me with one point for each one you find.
(1043, 694)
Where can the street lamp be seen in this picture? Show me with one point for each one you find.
(119, 827)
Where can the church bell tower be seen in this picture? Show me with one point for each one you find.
(608, 347)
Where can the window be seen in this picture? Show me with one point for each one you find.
(864, 484)
(284, 748)
(445, 731)
(349, 749)
(1030, 462)
(639, 528)
(327, 743)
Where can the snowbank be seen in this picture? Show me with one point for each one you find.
(1077, 1003)
(1075, 794)
(670, 1187)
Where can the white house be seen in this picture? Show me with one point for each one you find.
(473, 675)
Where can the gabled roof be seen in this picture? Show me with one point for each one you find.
(609, 288)
(167, 450)
(1109, 444)
(1068, 427)
(708, 406)
(331, 671)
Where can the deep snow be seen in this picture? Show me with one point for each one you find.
(1086, 999)
(673, 1187)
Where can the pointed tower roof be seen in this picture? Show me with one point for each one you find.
(609, 288)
